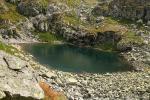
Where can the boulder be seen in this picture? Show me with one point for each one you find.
(14, 63)
(18, 85)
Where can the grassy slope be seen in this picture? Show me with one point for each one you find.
(12, 15)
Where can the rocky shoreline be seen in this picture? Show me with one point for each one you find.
(134, 84)
(76, 86)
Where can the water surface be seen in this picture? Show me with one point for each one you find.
(76, 59)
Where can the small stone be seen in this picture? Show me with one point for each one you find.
(107, 74)
(72, 81)
(51, 75)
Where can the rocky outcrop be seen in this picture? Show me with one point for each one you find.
(10, 33)
(46, 22)
(40, 22)
(80, 36)
(31, 8)
(13, 1)
(101, 8)
(18, 79)
(130, 9)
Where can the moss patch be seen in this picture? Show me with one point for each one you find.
(48, 37)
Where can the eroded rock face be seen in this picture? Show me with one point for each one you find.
(17, 80)
(130, 9)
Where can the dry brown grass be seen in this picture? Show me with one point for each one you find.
(50, 94)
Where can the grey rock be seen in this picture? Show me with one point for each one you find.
(2, 95)
(18, 84)
(71, 81)
(148, 23)
(15, 63)
(125, 9)
(29, 8)
(13, 1)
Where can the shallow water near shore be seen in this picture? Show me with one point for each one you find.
(70, 58)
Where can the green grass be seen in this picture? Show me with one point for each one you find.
(130, 37)
(7, 48)
(73, 20)
(48, 37)
(12, 15)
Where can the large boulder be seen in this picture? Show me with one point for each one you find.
(18, 82)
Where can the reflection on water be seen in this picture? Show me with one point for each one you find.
(74, 59)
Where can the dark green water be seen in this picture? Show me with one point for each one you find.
(75, 59)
